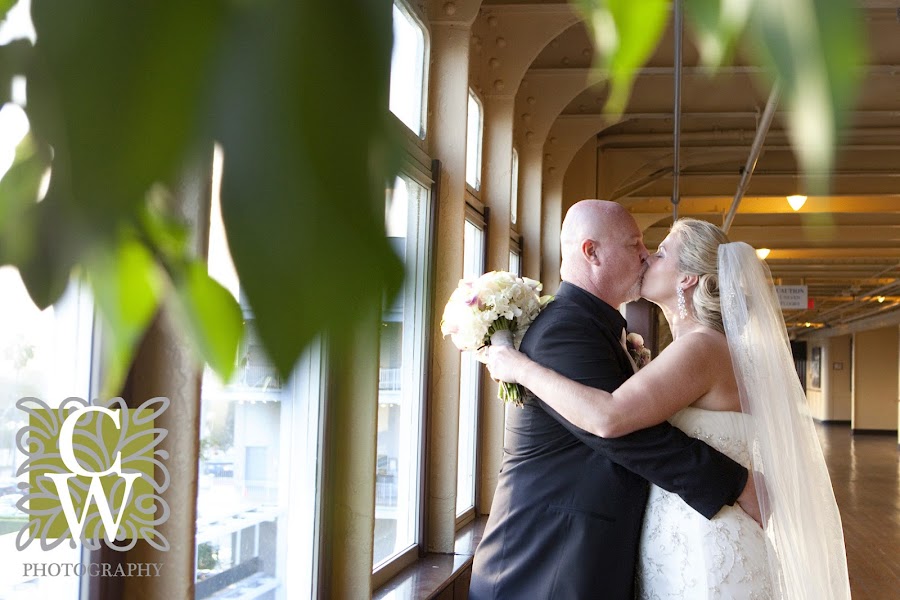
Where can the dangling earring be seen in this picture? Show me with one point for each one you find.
(682, 311)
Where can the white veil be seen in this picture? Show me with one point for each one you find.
(802, 524)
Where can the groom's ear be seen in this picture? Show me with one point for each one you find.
(688, 281)
(591, 252)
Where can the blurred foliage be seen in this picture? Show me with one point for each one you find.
(814, 48)
(626, 33)
(123, 95)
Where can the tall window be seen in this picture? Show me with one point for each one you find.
(470, 382)
(258, 485)
(408, 70)
(515, 253)
(515, 263)
(401, 376)
(474, 129)
(514, 188)
(45, 354)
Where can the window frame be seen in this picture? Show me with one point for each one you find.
(314, 361)
(514, 189)
(478, 215)
(88, 330)
(302, 399)
(479, 147)
(515, 247)
(414, 170)
(414, 16)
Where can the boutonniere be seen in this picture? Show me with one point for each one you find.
(639, 354)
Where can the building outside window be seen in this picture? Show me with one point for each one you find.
(470, 382)
(401, 375)
(258, 487)
(44, 354)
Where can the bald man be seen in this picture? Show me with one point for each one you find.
(566, 517)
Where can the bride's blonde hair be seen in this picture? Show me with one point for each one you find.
(699, 256)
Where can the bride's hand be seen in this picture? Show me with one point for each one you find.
(502, 361)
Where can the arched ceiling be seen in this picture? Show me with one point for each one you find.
(845, 248)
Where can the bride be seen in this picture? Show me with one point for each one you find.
(728, 379)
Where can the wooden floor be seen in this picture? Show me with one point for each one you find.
(865, 472)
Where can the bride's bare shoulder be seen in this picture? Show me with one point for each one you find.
(705, 346)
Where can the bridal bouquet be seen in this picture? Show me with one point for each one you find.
(496, 308)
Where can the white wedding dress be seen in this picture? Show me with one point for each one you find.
(683, 555)
(801, 554)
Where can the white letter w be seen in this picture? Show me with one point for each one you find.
(95, 491)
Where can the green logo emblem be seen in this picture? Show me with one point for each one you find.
(95, 472)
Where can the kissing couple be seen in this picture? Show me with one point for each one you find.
(700, 476)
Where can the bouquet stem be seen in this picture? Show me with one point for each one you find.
(501, 335)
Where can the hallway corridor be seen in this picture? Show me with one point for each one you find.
(865, 472)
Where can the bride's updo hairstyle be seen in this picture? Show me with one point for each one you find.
(699, 256)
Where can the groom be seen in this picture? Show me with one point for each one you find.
(566, 516)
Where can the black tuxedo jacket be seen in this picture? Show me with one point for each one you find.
(566, 516)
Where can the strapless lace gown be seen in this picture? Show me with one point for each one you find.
(685, 556)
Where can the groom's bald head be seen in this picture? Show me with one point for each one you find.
(602, 250)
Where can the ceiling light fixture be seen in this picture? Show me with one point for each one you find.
(796, 201)
(762, 253)
(880, 299)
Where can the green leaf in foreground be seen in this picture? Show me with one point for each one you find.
(19, 188)
(211, 316)
(816, 50)
(303, 194)
(625, 35)
(127, 285)
(717, 25)
(5, 5)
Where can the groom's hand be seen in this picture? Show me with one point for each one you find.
(749, 498)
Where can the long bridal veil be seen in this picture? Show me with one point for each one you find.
(802, 523)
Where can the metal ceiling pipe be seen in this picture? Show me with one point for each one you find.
(855, 138)
(868, 312)
(640, 184)
(879, 291)
(755, 149)
(839, 314)
(676, 136)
